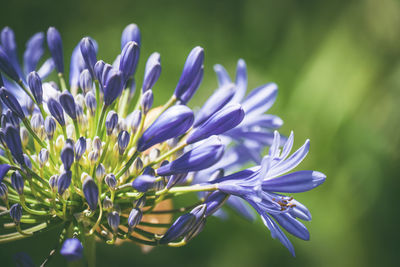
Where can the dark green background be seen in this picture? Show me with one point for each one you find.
(337, 66)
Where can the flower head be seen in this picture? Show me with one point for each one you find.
(111, 160)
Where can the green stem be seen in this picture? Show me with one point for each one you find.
(101, 119)
(62, 81)
(76, 126)
(28, 127)
(127, 165)
(187, 189)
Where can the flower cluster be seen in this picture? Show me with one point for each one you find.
(95, 157)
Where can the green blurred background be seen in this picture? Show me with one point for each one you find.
(337, 64)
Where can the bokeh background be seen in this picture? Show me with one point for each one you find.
(337, 64)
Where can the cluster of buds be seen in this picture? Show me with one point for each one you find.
(96, 159)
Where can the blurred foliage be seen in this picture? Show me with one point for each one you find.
(337, 64)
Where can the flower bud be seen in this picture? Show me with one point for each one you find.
(143, 183)
(173, 122)
(135, 216)
(215, 201)
(3, 191)
(79, 113)
(188, 94)
(53, 182)
(13, 142)
(67, 101)
(136, 117)
(24, 134)
(113, 88)
(214, 103)
(16, 213)
(175, 179)
(100, 172)
(56, 49)
(64, 181)
(129, 59)
(37, 122)
(72, 249)
(107, 204)
(98, 71)
(111, 121)
(17, 182)
(222, 121)
(190, 71)
(123, 141)
(147, 101)
(43, 157)
(110, 181)
(56, 110)
(91, 103)
(88, 53)
(6, 65)
(67, 156)
(85, 81)
(97, 144)
(35, 84)
(12, 119)
(93, 156)
(50, 127)
(181, 226)
(91, 192)
(113, 220)
(12, 103)
(80, 100)
(152, 71)
(27, 161)
(130, 33)
(4, 168)
(199, 158)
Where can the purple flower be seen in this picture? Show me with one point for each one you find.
(4, 168)
(13, 142)
(67, 156)
(123, 141)
(67, 101)
(56, 110)
(91, 192)
(181, 226)
(135, 216)
(11, 102)
(113, 88)
(143, 182)
(201, 157)
(16, 213)
(129, 59)
(7, 66)
(173, 122)
(147, 101)
(64, 181)
(89, 52)
(152, 71)
(214, 103)
(35, 84)
(17, 182)
(258, 186)
(56, 48)
(72, 249)
(33, 52)
(222, 121)
(113, 220)
(111, 121)
(191, 69)
(130, 33)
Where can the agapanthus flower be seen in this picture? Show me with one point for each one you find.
(85, 157)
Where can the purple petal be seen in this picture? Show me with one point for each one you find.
(295, 182)
(292, 225)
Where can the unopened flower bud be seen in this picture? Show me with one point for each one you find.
(113, 220)
(100, 172)
(91, 103)
(17, 182)
(111, 122)
(91, 192)
(123, 141)
(16, 213)
(50, 127)
(110, 181)
(43, 157)
(24, 136)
